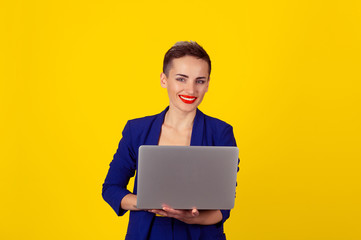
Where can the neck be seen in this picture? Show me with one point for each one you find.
(179, 120)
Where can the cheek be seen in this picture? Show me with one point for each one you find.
(203, 90)
(175, 89)
(172, 90)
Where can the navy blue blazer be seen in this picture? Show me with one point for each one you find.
(207, 131)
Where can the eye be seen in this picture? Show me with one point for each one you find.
(200, 81)
(180, 79)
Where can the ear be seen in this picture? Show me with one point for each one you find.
(163, 80)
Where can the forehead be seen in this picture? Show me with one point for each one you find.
(189, 65)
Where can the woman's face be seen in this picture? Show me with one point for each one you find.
(187, 82)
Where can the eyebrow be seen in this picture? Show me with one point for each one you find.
(183, 75)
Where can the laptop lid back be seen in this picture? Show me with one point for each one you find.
(184, 177)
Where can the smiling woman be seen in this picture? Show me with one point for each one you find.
(187, 81)
(185, 75)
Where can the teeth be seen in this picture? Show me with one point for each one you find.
(188, 99)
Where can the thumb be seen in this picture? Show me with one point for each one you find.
(195, 212)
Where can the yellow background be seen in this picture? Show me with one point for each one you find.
(286, 75)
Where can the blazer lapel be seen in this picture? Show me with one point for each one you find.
(198, 128)
(154, 133)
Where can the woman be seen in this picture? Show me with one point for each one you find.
(186, 72)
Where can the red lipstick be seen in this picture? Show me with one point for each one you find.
(187, 99)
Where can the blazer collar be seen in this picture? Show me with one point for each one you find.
(197, 130)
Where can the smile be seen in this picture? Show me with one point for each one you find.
(187, 99)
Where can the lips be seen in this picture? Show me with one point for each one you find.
(187, 99)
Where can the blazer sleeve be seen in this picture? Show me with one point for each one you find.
(227, 139)
(121, 169)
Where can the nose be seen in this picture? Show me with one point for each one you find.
(190, 88)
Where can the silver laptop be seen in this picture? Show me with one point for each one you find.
(184, 177)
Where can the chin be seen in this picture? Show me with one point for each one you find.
(189, 108)
(184, 107)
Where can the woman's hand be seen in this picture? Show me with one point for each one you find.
(193, 216)
(187, 216)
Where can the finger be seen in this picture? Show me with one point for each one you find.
(165, 205)
(174, 211)
(181, 214)
(195, 212)
(159, 212)
(167, 208)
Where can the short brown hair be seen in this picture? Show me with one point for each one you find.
(185, 48)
